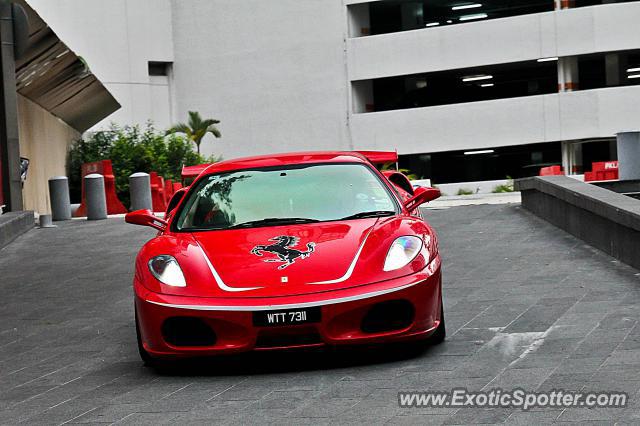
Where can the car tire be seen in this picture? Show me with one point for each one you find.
(147, 359)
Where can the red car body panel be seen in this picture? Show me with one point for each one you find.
(340, 321)
(228, 278)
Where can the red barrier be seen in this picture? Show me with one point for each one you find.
(105, 168)
(168, 190)
(157, 193)
(551, 171)
(605, 170)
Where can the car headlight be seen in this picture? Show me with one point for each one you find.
(402, 251)
(167, 270)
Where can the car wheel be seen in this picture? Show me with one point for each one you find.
(147, 359)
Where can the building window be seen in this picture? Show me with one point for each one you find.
(158, 69)
(390, 16)
(488, 164)
(609, 69)
(463, 85)
(513, 80)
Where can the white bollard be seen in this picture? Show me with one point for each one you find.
(45, 221)
(96, 198)
(59, 196)
(140, 191)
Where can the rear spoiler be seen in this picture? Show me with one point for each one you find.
(190, 173)
(380, 157)
(193, 171)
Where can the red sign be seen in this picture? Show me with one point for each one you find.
(604, 170)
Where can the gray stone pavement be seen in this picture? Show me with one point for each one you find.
(527, 306)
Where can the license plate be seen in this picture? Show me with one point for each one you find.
(286, 317)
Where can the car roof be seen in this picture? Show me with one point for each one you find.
(285, 159)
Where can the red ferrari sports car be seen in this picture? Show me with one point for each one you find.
(288, 251)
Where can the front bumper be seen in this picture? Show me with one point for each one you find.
(342, 313)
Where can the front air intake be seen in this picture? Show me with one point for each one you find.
(187, 331)
(388, 316)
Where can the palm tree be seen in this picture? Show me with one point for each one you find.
(196, 129)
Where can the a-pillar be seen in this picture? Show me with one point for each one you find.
(568, 76)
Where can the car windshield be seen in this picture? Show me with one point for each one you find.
(285, 195)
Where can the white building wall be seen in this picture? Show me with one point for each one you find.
(118, 38)
(272, 71)
(504, 122)
(279, 73)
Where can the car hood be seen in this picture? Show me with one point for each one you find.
(320, 257)
(278, 260)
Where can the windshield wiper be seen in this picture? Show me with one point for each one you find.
(363, 215)
(273, 221)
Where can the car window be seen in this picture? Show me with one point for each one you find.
(323, 192)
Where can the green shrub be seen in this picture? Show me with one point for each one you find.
(464, 191)
(131, 149)
(507, 187)
(408, 173)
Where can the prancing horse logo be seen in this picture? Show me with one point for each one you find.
(282, 249)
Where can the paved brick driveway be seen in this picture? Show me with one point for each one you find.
(527, 306)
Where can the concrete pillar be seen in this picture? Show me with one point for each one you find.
(568, 77)
(9, 137)
(59, 196)
(612, 69)
(362, 96)
(565, 146)
(629, 155)
(575, 159)
(359, 20)
(565, 4)
(96, 198)
(140, 191)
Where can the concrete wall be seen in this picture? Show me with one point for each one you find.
(504, 122)
(604, 219)
(118, 38)
(272, 71)
(44, 140)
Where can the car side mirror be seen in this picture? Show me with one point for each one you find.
(421, 195)
(146, 218)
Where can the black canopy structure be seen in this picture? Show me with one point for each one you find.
(35, 63)
(54, 77)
